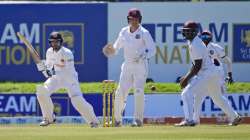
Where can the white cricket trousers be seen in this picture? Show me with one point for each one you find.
(72, 85)
(133, 75)
(206, 83)
(222, 79)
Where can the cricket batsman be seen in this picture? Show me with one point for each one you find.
(60, 72)
(138, 47)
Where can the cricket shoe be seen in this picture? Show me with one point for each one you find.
(236, 121)
(46, 122)
(118, 123)
(185, 123)
(110, 124)
(137, 123)
(94, 125)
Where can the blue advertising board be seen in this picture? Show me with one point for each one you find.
(27, 105)
(14, 105)
(83, 26)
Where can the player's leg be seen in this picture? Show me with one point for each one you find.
(222, 82)
(80, 104)
(238, 119)
(198, 100)
(125, 83)
(223, 103)
(200, 92)
(43, 96)
(202, 89)
(194, 89)
(220, 100)
(140, 75)
(187, 100)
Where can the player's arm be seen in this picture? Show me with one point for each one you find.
(227, 61)
(118, 43)
(150, 45)
(44, 65)
(193, 71)
(197, 53)
(110, 50)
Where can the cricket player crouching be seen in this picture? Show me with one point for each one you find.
(202, 80)
(60, 71)
(138, 47)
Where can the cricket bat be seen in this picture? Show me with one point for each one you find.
(35, 56)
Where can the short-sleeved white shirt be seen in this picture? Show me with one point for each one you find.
(216, 51)
(198, 50)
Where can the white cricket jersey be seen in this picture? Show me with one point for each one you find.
(216, 52)
(198, 50)
(135, 44)
(62, 61)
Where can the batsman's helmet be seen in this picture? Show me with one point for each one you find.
(206, 36)
(190, 29)
(56, 36)
(134, 13)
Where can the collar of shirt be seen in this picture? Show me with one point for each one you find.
(191, 42)
(59, 51)
(137, 30)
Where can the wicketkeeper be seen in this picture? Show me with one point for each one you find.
(138, 47)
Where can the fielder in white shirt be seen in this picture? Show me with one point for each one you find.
(138, 47)
(219, 57)
(202, 80)
(60, 70)
(217, 54)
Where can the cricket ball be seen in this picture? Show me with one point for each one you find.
(153, 88)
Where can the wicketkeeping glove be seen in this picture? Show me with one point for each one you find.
(47, 73)
(142, 56)
(229, 78)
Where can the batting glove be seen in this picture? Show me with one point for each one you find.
(41, 66)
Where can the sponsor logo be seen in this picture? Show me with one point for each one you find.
(73, 35)
(241, 43)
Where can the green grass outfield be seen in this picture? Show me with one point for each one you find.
(148, 132)
(11, 87)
